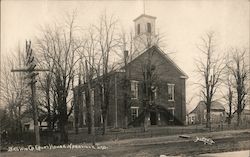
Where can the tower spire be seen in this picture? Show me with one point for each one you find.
(144, 7)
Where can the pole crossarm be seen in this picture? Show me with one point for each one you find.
(27, 70)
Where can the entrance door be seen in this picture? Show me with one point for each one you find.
(153, 119)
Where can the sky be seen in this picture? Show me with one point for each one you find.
(182, 23)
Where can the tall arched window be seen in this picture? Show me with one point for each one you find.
(138, 29)
(149, 27)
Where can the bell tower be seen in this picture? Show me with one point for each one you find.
(145, 35)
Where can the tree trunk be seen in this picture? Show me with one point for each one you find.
(19, 121)
(48, 102)
(63, 132)
(90, 103)
(105, 107)
(104, 124)
(76, 110)
(126, 103)
(230, 113)
(92, 124)
(88, 114)
(63, 117)
(145, 123)
(208, 116)
(80, 102)
(92, 116)
(229, 120)
(238, 118)
(125, 120)
(54, 114)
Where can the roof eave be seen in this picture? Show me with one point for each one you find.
(153, 17)
(184, 75)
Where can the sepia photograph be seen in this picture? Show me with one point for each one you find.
(125, 78)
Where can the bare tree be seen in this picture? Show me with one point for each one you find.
(45, 87)
(107, 42)
(239, 70)
(127, 48)
(89, 61)
(77, 104)
(149, 73)
(14, 94)
(229, 97)
(210, 70)
(59, 45)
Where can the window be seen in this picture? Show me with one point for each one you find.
(134, 89)
(149, 27)
(138, 29)
(171, 112)
(171, 92)
(84, 99)
(154, 92)
(26, 127)
(205, 115)
(134, 112)
(192, 118)
(84, 118)
(101, 119)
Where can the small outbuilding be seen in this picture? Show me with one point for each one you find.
(198, 115)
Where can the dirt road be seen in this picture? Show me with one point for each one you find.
(154, 147)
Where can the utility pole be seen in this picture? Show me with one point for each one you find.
(30, 69)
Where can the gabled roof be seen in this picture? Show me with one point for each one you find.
(164, 55)
(144, 15)
(215, 106)
(156, 49)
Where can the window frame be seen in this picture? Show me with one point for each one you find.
(101, 118)
(136, 108)
(138, 29)
(149, 27)
(136, 90)
(84, 99)
(172, 87)
(155, 93)
(173, 113)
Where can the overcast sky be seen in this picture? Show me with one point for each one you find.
(181, 22)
